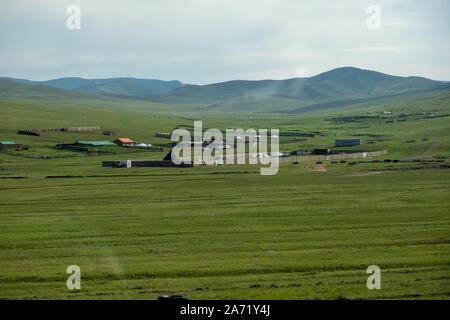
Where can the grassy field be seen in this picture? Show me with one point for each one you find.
(223, 232)
(294, 235)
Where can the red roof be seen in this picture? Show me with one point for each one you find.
(125, 140)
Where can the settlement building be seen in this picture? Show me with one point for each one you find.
(10, 146)
(125, 142)
(348, 142)
(94, 143)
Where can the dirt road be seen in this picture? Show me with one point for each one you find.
(315, 167)
(429, 149)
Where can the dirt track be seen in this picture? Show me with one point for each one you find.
(362, 173)
(429, 149)
(315, 167)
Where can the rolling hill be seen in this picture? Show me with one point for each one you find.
(341, 88)
(17, 93)
(346, 85)
(110, 86)
(10, 89)
(13, 90)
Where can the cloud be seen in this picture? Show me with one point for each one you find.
(203, 41)
(372, 49)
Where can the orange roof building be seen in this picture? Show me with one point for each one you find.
(126, 142)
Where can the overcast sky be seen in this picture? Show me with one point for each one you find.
(205, 41)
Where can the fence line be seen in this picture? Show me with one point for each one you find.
(168, 163)
(69, 129)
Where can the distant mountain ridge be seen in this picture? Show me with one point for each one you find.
(108, 86)
(342, 84)
(337, 88)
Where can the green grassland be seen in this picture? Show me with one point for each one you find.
(222, 232)
(292, 235)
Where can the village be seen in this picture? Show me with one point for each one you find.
(212, 149)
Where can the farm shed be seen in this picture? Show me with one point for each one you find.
(125, 142)
(94, 143)
(348, 142)
(163, 135)
(28, 132)
(10, 146)
(321, 151)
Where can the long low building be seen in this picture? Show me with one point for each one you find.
(348, 142)
(94, 143)
(10, 146)
(141, 163)
(70, 129)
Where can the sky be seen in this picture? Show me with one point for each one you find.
(206, 41)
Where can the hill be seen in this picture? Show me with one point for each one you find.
(342, 84)
(109, 86)
(338, 89)
(10, 89)
(20, 93)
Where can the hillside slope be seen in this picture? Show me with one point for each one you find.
(342, 84)
(340, 89)
(15, 92)
(109, 86)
